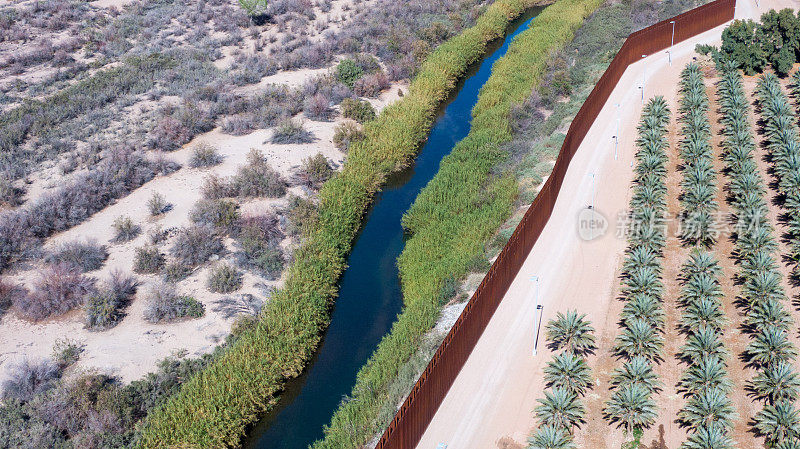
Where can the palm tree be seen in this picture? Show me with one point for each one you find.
(639, 338)
(631, 407)
(644, 306)
(707, 373)
(778, 422)
(703, 343)
(572, 332)
(568, 371)
(711, 436)
(560, 407)
(703, 312)
(707, 407)
(551, 437)
(768, 314)
(638, 370)
(771, 346)
(777, 382)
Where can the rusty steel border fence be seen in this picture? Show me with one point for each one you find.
(413, 417)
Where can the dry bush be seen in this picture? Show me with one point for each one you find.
(148, 260)
(313, 172)
(105, 307)
(9, 294)
(175, 272)
(317, 107)
(57, 290)
(224, 279)
(204, 155)
(244, 304)
(345, 134)
(221, 213)
(196, 244)
(215, 188)
(125, 229)
(165, 304)
(291, 132)
(258, 178)
(27, 379)
(157, 204)
(371, 85)
(87, 255)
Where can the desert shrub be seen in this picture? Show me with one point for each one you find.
(86, 255)
(254, 8)
(104, 307)
(291, 132)
(58, 289)
(120, 172)
(157, 234)
(371, 85)
(66, 352)
(347, 72)
(176, 272)
(317, 107)
(163, 165)
(358, 110)
(9, 293)
(314, 171)
(148, 260)
(258, 240)
(217, 213)
(204, 155)
(224, 279)
(27, 379)
(125, 229)
(240, 124)
(157, 204)
(169, 134)
(327, 86)
(215, 187)
(257, 178)
(196, 244)
(165, 304)
(345, 134)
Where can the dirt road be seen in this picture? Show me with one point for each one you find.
(491, 401)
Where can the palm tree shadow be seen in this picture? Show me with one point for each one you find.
(661, 443)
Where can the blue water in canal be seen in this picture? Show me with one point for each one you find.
(370, 296)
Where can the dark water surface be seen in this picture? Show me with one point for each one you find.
(370, 297)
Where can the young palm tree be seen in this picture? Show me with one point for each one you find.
(712, 436)
(646, 307)
(703, 343)
(708, 373)
(560, 407)
(778, 422)
(777, 382)
(572, 332)
(551, 437)
(707, 407)
(639, 371)
(568, 371)
(771, 346)
(639, 338)
(631, 407)
(768, 315)
(703, 312)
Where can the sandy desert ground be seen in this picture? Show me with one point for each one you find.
(134, 346)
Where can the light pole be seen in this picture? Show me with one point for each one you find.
(537, 318)
(672, 42)
(644, 75)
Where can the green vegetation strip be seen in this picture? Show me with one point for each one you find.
(454, 217)
(214, 408)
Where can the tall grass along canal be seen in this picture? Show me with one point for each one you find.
(370, 296)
